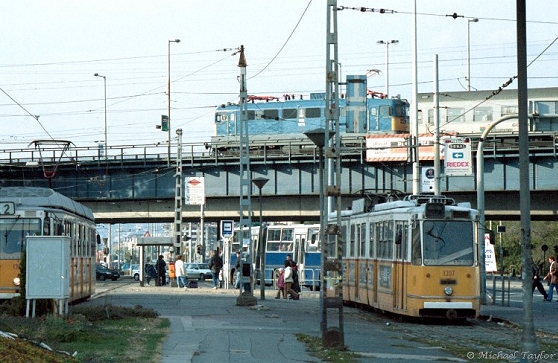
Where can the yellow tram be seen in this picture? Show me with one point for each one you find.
(29, 211)
(416, 257)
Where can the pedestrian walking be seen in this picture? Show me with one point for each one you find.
(281, 284)
(537, 282)
(289, 282)
(552, 276)
(296, 285)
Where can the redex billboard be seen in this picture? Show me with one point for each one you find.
(457, 157)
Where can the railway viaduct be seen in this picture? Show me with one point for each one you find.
(136, 183)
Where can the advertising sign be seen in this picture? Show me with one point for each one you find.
(489, 255)
(397, 148)
(427, 180)
(457, 157)
(195, 191)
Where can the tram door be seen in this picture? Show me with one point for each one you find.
(298, 254)
(399, 281)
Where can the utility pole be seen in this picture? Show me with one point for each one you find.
(245, 211)
(332, 337)
(178, 196)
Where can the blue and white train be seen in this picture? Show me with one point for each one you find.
(275, 124)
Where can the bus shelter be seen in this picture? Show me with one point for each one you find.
(151, 241)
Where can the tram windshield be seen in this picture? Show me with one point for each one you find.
(13, 232)
(448, 243)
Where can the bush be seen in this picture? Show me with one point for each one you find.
(112, 312)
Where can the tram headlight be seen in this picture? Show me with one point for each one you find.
(17, 281)
(448, 290)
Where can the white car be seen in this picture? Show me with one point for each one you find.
(199, 271)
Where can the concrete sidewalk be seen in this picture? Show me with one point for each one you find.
(207, 326)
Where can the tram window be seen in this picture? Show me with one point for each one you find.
(46, 226)
(13, 233)
(362, 239)
(287, 235)
(371, 244)
(482, 114)
(385, 240)
(314, 112)
(399, 235)
(351, 240)
(400, 241)
(312, 242)
(289, 113)
(250, 115)
(58, 229)
(416, 250)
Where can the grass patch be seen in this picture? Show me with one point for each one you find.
(315, 349)
(93, 334)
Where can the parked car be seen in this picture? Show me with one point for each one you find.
(199, 271)
(102, 273)
(135, 272)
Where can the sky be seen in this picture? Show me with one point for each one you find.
(50, 52)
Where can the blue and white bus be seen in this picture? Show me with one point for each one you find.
(302, 242)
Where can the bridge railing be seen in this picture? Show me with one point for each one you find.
(142, 153)
(224, 149)
(93, 154)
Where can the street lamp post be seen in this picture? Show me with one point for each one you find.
(318, 137)
(469, 21)
(105, 86)
(259, 183)
(169, 106)
(387, 43)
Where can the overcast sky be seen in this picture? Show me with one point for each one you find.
(51, 49)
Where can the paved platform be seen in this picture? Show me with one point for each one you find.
(208, 326)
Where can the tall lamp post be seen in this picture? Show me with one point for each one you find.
(318, 137)
(469, 21)
(387, 43)
(105, 86)
(259, 183)
(168, 101)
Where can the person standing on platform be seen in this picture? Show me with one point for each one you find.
(161, 270)
(180, 272)
(215, 265)
(237, 271)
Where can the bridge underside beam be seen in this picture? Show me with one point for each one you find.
(279, 208)
(302, 208)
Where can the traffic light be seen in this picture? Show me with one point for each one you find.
(164, 123)
(198, 249)
(491, 237)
